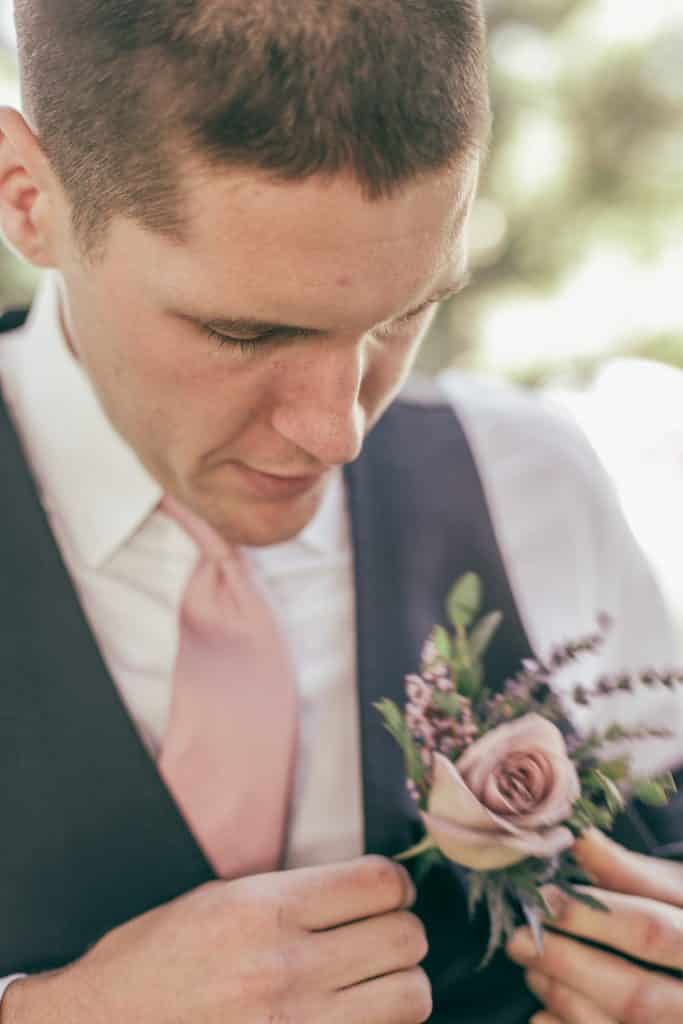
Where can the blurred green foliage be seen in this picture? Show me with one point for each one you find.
(587, 150)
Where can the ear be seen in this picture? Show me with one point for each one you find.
(28, 190)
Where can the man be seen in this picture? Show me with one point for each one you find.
(250, 211)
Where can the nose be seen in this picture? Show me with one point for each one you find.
(319, 401)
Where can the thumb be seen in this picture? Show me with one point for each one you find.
(611, 866)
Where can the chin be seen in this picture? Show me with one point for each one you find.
(260, 524)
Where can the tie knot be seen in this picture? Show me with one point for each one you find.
(208, 540)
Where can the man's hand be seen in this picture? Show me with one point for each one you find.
(581, 985)
(332, 944)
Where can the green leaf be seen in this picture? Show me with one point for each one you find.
(581, 897)
(394, 723)
(449, 703)
(483, 633)
(467, 681)
(501, 917)
(424, 846)
(615, 801)
(655, 792)
(618, 770)
(442, 642)
(476, 885)
(464, 601)
(424, 865)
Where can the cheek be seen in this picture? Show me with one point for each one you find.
(388, 367)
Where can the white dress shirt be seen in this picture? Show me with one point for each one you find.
(566, 548)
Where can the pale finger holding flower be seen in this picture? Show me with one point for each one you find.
(501, 791)
(581, 985)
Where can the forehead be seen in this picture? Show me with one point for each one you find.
(272, 244)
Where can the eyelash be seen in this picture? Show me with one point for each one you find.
(248, 346)
(245, 345)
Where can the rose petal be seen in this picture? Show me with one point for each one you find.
(495, 800)
(452, 800)
(557, 806)
(486, 852)
(528, 733)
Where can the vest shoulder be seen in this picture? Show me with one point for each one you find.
(506, 424)
(521, 428)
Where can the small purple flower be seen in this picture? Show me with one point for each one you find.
(419, 692)
(426, 757)
(427, 734)
(448, 745)
(413, 790)
(415, 717)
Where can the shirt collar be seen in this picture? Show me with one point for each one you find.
(90, 479)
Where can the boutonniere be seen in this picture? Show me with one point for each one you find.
(503, 786)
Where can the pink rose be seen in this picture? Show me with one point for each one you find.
(506, 797)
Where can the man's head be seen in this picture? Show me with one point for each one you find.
(238, 165)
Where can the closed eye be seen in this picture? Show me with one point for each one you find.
(250, 342)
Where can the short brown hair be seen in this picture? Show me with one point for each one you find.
(385, 89)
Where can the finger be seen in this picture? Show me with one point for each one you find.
(545, 1018)
(569, 1006)
(354, 953)
(624, 992)
(325, 897)
(642, 928)
(403, 998)
(613, 867)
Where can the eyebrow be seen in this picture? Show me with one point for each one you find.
(244, 325)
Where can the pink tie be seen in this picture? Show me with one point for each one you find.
(228, 755)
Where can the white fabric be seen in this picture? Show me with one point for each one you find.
(6, 982)
(565, 545)
(643, 454)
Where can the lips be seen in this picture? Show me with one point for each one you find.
(272, 485)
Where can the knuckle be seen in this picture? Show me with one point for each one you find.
(270, 978)
(661, 935)
(381, 873)
(286, 969)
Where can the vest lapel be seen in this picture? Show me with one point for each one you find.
(79, 789)
(419, 520)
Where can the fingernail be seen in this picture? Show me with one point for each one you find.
(522, 947)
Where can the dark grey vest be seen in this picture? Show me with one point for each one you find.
(90, 835)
